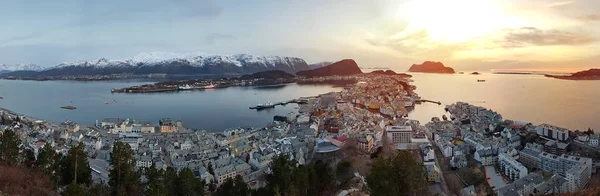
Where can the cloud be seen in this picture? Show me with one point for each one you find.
(214, 37)
(590, 18)
(531, 36)
(559, 4)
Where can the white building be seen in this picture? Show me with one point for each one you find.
(399, 134)
(552, 132)
(511, 167)
(576, 170)
(594, 139)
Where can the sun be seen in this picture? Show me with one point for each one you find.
(457, 20)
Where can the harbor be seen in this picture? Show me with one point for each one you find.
(272, 105)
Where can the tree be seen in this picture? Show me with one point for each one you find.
(45, 159)
(398, 174)
(281, 176)
(188, 184)
(98, 189)
(75, 167)
(210, 169)
(343, 171)
(170, 181)
(235, 186)
(74, 189)
(323, 177)
(123, 178)
(9, 147)
(155, 185)
(28, 158)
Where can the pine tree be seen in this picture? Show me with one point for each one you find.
(28, 158)
(123, 178)
(398, 174)
(233, 186)
(75, 167)
(46, 158)
(9, 147)
(188, 184)
(155, 185)
(75, 189)
(170, 181)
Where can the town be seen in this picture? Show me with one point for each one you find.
(470, 150)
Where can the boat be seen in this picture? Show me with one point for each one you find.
(211, 86)
(105, 103)
(1, 97)
(480, 80)
(185, 87)
(69, 107)
(263, 106)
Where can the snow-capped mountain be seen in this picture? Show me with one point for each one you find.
(20, 67)
(173, 63)
(319, 64)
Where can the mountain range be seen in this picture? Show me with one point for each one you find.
(19, 67)
(170, 63)
(319, 64)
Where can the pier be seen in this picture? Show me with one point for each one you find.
(266, 106)
(425, 100)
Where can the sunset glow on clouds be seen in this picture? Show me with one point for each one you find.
(465, 34)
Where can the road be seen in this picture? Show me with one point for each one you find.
(443, 184)
(99, 165)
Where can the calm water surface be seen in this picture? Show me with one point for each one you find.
(531, 98)
(211, 109)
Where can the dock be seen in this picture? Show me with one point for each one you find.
(425, 100)
(297, 101)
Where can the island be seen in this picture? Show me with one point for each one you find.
(591, 74)
(341, 68)
(331, 74)
(431, 67)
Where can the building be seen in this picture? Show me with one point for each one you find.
(557, 148)
(594, 139)
(486, 157)
(458, 161)
(576, 170)
(552, 132)
(399, 134)
(523, 186)
(511, 167)
(167, 126)
(433, 172)
(530, 157)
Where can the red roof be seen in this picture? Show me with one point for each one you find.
(342, 138)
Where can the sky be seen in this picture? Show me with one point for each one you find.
(464, 34)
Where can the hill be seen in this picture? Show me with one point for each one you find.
(273, 74)
(341, 68)
(591, 74)
(430, 67)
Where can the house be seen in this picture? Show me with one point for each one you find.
(594, 139)
(486, 157)
(433, 172)
(468, 191)
(458, 161)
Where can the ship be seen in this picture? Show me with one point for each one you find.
(68, 107)
(211, 86)
(263, 106)
(185, 87)
(480, 80)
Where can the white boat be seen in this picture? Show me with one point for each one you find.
(185, 87)
(211, 86)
